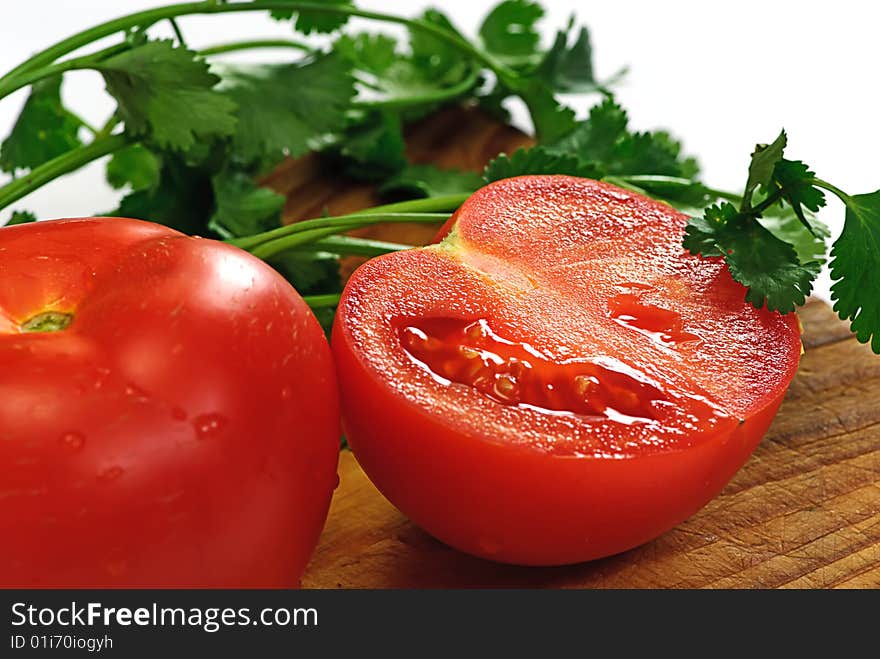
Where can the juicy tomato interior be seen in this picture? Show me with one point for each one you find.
(471, 353)
(558, 319)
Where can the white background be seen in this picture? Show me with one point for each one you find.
(720, 75)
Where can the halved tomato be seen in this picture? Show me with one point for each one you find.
(557, 380)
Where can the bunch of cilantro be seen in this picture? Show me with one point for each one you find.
(191, 135)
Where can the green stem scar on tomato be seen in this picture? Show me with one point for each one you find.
(181, 431)
(557, 380)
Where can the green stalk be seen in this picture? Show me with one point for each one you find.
(235, 46)
(354, 246)
(8, 86)
(322, 301)
(144, 19)
(440, 96)
(445, 204)
(301, 233)
(63, 164)
(647, 179)
(833, 189)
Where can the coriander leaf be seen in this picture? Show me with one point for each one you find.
(855, 262)
(431, 181)
(796, 182)
(374, 149)
(808, 243)
(165, 94)
(43, 130)
(308, 21)
(596, 137)
(763, 163)
(21, 217)
(767, 266)
(679, 192)
(701, 236)
(508, 31)
(242, 208)
(183, 199)
(368, 52)
(436, 58)
(652, 153)
(569, 68)
(552, 120)
(309, 272)
(288, 108)
(605, 137)
(538, 160)
(136, 166)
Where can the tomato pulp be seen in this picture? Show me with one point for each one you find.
(556, 380)
(168, 411)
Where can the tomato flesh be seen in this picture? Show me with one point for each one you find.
(557, 380)
(168, 411)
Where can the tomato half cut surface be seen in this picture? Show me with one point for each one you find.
(557, 380)
(168, 412)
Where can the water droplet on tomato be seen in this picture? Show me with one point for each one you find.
(110, 474)
(72, 441)
(286, 393)
(209, 426)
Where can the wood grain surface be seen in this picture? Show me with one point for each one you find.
(804, 512)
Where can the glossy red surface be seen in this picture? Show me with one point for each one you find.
(182, 431)
(588, 276)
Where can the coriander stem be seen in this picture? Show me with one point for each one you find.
(647, 179)
(819, 183)
(63, 164)
(148, 17)
(177, 32)
(439, 96)
(442, 204)
(322, 301)
(270, 243)
(354, 246)
(221, 48)
(10, 85)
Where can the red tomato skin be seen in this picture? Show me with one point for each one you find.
(455, 462)
(182, 432)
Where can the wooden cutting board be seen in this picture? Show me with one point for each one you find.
(804, 512)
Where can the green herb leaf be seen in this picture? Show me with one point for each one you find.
(165, 95)
(135, 166)
(315, 21)
(288, 108)
(604, 137)
(374, 149)
(43, 130)
(183, 198)
(552, 120)
(809, 243)
(21, 217)
(243, 208)
(795, 180)
(764, 160)
(538, 160)
(855, 262)
(569, 68)
(767, 266)
(508, 31)
(436, 58)
(431, 181)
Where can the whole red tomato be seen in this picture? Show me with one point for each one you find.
(168, 411)
(557, 380)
